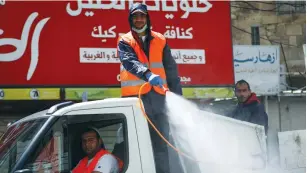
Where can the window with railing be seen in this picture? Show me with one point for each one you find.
(255, 35)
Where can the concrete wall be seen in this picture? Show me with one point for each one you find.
(293, 117)
(287, 29)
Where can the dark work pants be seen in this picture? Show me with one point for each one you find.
(154, 104)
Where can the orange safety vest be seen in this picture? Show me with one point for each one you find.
(83, 168)
(130, 84)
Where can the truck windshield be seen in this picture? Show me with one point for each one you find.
(15, 141)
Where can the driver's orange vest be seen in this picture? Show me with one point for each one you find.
(83, 168)
(131, 84)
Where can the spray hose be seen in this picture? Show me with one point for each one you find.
(154, 127)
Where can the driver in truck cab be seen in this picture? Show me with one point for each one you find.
(97, 159)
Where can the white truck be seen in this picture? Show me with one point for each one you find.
(49, 141)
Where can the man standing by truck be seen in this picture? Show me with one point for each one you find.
(146, 57)
(249, 107)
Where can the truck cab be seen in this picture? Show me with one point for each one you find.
(50, 140)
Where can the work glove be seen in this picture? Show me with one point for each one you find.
(154, 80)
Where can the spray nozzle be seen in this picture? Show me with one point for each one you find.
(165, 89)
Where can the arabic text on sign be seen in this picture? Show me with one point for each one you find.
(260, 58)
(258, 70)
(185, 79)
(259, 65)
(97, 32)
(189, 56)
(200, 6)
(173, 33)
(98, 55)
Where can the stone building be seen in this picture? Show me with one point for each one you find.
(278, 22)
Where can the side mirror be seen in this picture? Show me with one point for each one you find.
(23, 171)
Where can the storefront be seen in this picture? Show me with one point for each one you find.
(56, 51)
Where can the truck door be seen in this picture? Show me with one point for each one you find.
(51, 152)
(108, 121)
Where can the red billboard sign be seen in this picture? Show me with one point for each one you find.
(73, 43)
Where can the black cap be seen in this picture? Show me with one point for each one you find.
(138, 7)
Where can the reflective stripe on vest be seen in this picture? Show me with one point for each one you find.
(156, 65)
(130, 84)
(135, 82)
(152, 65)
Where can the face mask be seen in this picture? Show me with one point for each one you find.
(140, 30)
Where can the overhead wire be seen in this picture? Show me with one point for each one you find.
(278, 5)
(272, 41)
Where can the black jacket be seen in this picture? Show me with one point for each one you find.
(251, 111)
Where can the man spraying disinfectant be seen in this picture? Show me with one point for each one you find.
(146, 57)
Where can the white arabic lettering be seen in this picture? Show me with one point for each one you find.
(114, 4)
(155, 7)
(168, 33)
(185, 79)
(107, 33)
(179, 33)
(185, 6)
(21, 44)
(165, 7)
(113, 34)
(99, 31)
(99, 5)
(120, 6)
(74, 12)
(35, 48)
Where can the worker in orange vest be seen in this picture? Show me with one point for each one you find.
(98, 160)
(146, 57)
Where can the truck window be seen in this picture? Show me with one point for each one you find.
(15, 141)
(112, 130)
(52, 153)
